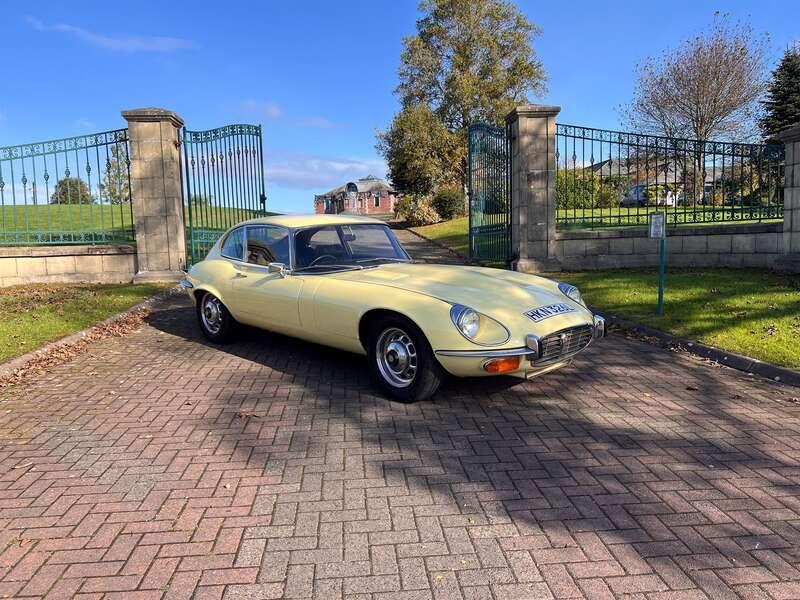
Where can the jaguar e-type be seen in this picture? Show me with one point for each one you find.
(346, 282)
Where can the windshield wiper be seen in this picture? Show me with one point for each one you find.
(340, 267)
(386, 258)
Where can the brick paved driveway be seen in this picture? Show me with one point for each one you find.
(156, 465)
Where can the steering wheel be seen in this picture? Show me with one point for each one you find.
(319, 258)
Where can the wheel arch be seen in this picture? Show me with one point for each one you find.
(374, 314)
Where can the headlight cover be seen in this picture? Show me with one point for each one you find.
(477, 327)
(570, 291)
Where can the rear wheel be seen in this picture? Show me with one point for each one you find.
(215, 321)
(401, 360)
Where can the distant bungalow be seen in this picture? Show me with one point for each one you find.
(366, 196)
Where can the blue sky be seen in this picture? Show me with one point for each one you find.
(319, 75)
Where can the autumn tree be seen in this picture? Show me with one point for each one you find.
(71, 190)
(706, 88)
(421, 153)
(782, 104)
(470, 61)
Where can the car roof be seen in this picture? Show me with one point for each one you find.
(294, 221)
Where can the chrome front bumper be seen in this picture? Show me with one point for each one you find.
(530, 350)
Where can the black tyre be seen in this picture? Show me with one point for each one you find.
(401, 361)
(215, 321)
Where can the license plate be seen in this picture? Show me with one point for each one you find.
(551, 310)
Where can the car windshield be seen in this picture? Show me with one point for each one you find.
(333, 247)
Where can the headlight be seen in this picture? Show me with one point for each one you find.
(466, 319)
(477, 327)
(570, 291)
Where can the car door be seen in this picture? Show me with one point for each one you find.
(263, 298)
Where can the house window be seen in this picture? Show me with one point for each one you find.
(377, 201)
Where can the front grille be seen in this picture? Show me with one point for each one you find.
(563, 344)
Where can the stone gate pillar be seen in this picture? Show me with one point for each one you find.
(155, 169)
(790, 261)
(533, 171)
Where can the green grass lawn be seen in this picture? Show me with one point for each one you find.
(748, 311)
(36, 314)
(450, 233)
(87, 223)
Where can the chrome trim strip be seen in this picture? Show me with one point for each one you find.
(486, 353)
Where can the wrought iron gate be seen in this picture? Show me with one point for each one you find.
(223, 183)
(489, 176)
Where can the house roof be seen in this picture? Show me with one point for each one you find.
(367, 184)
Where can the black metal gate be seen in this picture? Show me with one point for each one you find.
(489, 176)
(223, 181)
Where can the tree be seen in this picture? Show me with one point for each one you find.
(706, 88)
(71, 190)
(470, 61)
(421, 152)
(782, 104)
(116, 183)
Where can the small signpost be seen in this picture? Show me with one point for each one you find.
(658, 231)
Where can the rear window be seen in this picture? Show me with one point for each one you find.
(233, 246)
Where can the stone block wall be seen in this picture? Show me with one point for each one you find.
(160, 250)
(539, 247)
(708, 246)
(67, 264)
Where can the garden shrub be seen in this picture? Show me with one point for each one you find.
(449, 202)
(403, 207)
(422, 213)
(575, 188)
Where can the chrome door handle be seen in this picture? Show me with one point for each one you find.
(240, 275)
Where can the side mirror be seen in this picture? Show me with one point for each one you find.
(276, 267)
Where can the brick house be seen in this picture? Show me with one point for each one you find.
(366, 196)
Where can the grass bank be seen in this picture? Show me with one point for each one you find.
(747, 311)
(34, 315)
(450, 233)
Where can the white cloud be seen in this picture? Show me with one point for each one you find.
(268, 110)
(114, 41)
(307, 172)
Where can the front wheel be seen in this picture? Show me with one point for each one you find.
(215, 321)
(401, 360)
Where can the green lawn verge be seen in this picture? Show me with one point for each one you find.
(95, 223)
(450, 233)
(751, 312)
(34, 315)
(748, 311)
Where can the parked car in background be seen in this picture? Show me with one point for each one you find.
(644, 194)
(346, 282)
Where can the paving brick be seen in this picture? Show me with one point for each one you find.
(269, 468)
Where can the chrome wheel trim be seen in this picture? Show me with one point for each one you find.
(211, 313)
(396, 356)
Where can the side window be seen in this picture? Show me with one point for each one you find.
(233, 246)
(267, 244)
(311, 244)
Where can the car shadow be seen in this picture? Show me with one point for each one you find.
(634, 456)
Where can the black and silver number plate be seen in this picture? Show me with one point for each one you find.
(551, 310)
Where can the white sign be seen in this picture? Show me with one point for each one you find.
(657, 222)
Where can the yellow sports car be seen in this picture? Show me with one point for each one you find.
(347, 282)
